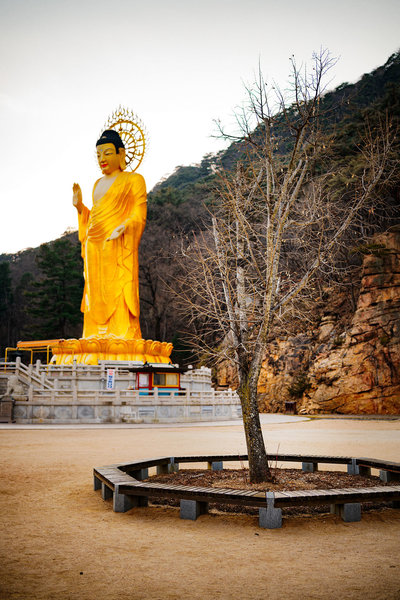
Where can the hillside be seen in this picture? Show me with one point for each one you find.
(177, 207)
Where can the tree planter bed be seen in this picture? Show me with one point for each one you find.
(124, 484)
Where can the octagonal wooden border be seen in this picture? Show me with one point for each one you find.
(124, 484)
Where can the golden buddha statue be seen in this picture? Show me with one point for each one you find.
(110, 235)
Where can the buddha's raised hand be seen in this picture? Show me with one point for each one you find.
(77, 197)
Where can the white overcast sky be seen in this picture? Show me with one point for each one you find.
(67, 64)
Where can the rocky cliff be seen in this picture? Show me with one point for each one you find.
(344, 367)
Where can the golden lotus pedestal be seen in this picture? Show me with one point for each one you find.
(90, 351)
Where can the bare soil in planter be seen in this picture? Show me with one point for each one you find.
(283, 479)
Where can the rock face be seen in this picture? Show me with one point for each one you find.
(355, 370)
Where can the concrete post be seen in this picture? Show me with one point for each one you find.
(309, 467)
(387, 476)
(192, 509)
(140, 474)
(163, 469)
(106, 493)
(349, 512)
(364, 471)
(122, 502)
(215, 466)
(270, 517)
(170, 467)
(353, 468)
(173, 466)
(356, 469)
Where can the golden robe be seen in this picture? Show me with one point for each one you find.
(110, 300)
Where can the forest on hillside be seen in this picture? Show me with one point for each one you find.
(41, 288)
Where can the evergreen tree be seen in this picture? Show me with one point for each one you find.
(6, 302)
(56, 296)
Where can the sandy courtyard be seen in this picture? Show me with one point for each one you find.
(59, 540)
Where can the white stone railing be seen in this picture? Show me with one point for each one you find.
(126, 406)
(135, 396)
(31, 375)
(77, 394)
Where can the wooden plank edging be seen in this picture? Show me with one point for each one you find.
(118, 475)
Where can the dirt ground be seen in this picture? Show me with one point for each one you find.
(60, 540)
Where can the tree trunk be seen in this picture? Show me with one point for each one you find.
(258, 461)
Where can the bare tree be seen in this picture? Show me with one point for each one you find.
(275, 225)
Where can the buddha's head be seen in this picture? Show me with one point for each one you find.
(110, 152)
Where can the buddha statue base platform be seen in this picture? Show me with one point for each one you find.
(90, 350)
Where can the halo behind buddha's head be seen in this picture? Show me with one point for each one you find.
(110, 136)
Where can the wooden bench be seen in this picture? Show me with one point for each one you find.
(124, 484)
(344, 502)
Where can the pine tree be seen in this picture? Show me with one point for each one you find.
(6, 304)
(56, 297)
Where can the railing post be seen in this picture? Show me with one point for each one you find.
(17, 365)
(30, 393)
(30, 373)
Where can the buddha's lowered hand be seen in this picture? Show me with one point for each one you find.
(118, 231)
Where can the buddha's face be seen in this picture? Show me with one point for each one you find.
(108, 158)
